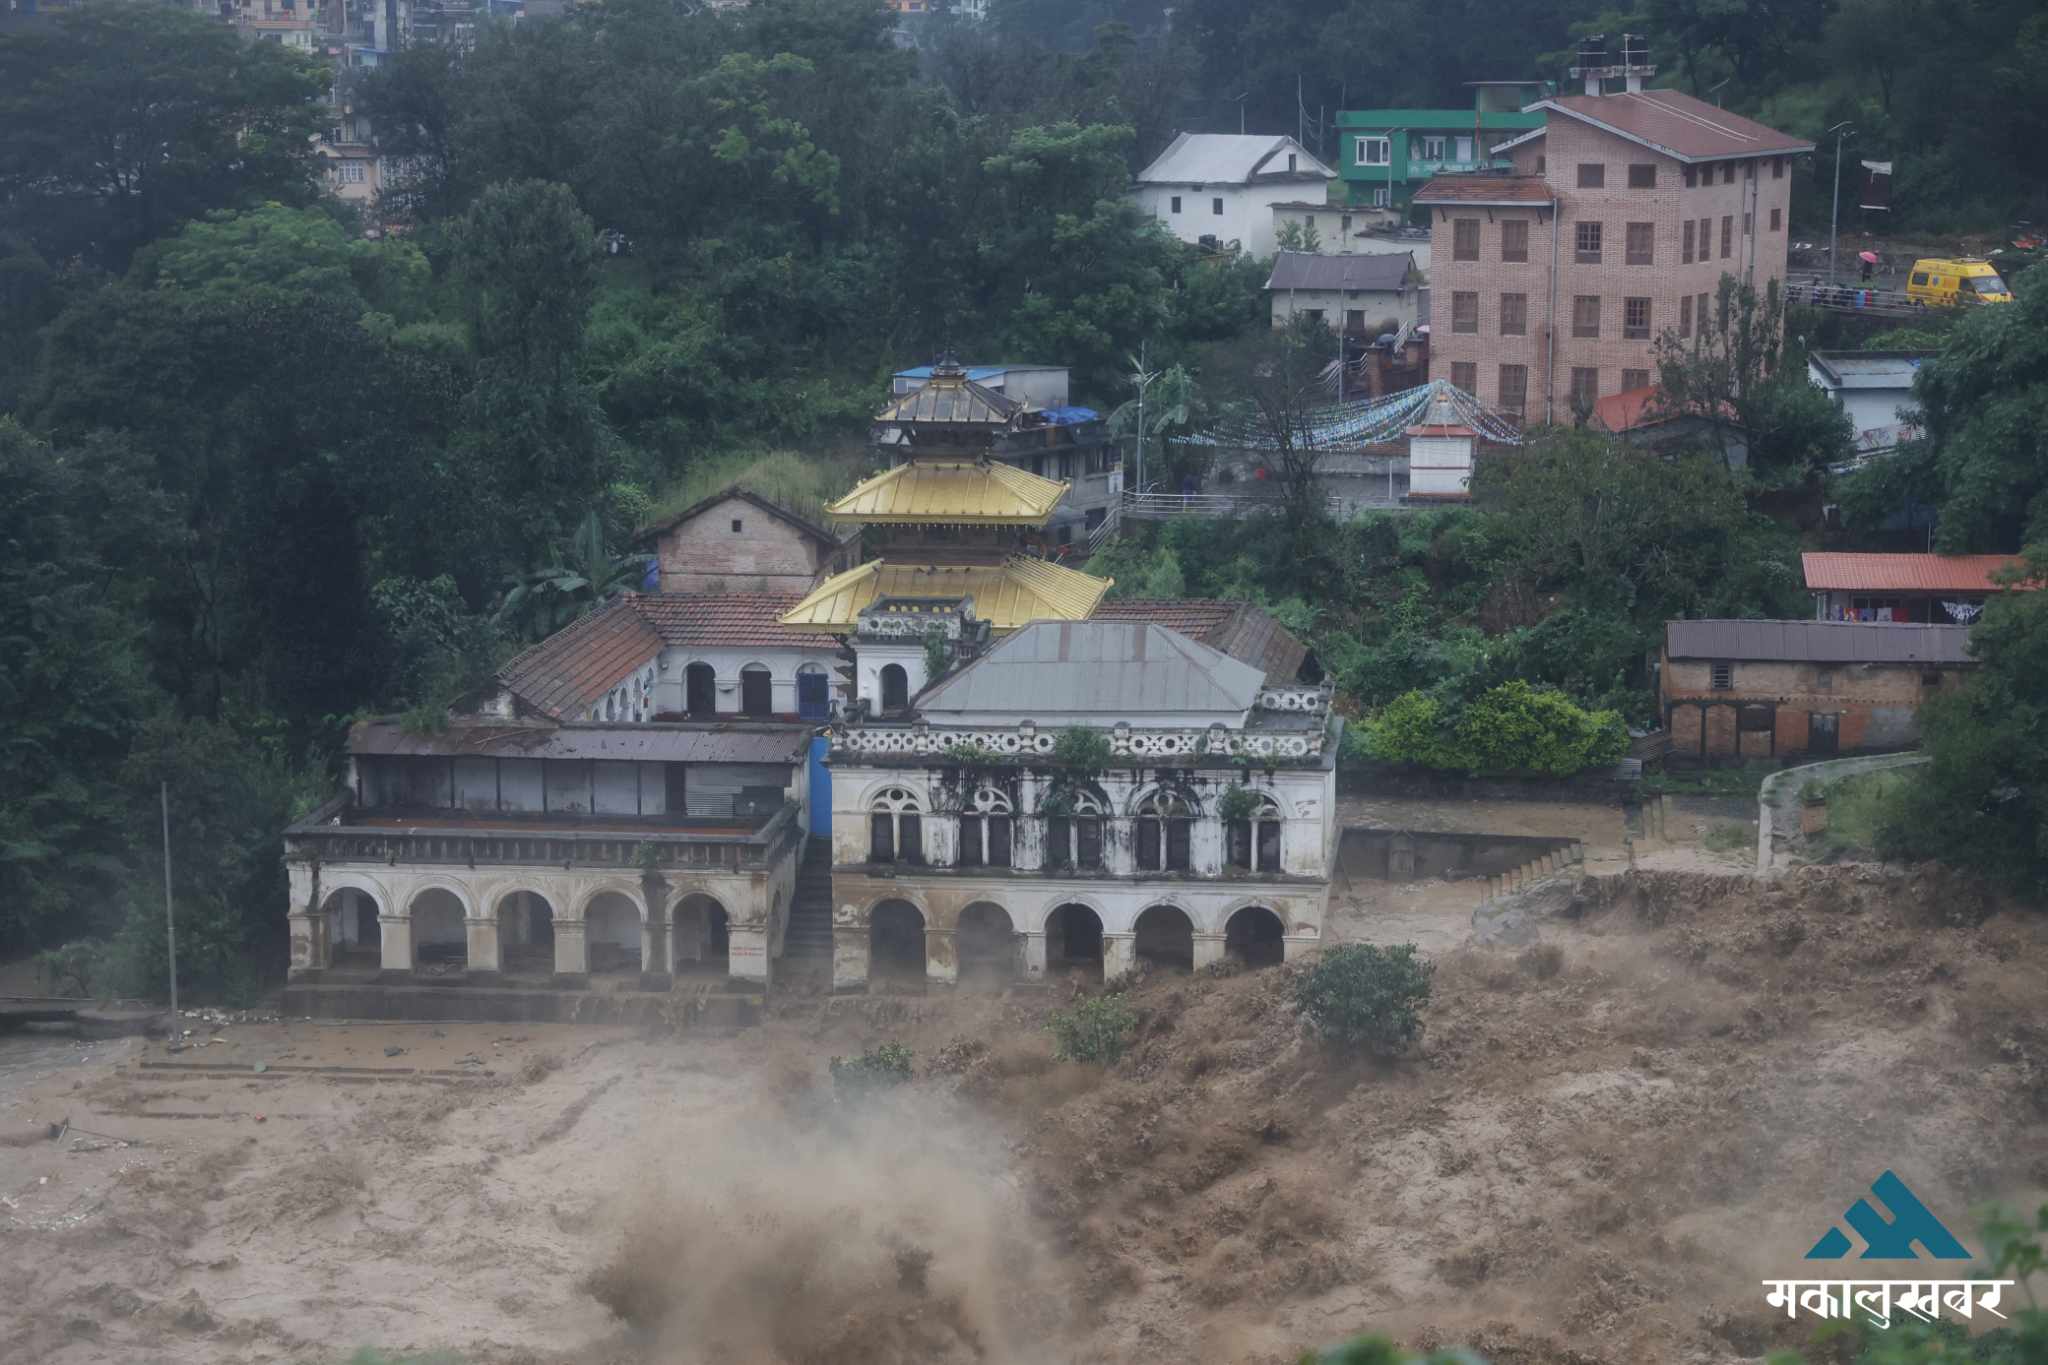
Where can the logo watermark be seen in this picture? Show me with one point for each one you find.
(1912, 1224)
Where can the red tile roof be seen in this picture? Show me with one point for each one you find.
(565, 674)
(1245, 632)
(1677, 124)
(1827, 572)
(577, 665)
(1486, 189)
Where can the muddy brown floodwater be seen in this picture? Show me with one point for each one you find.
(1604, 1142)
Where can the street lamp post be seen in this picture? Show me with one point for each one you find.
(1839, 131)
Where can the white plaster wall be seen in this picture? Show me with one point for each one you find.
(1247, 216)
(1377, 305)
(871, 657)
(1029, 903)
(782, 666)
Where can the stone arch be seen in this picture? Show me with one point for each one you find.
(526, 926)
(438, 911)
(353, 906)
(1164, 936)
(1256, 935)
(986, 942)
(1164, 796)
(626, 889)
(700, 688)
(1073, 939)
(894, 683)
(612, 921)
(757, 689)
(896, 939)
(703, 931)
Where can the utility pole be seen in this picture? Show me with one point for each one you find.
(1144, 382)
(170, 920)
(1839, 131)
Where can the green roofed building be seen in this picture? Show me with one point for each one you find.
(1386, 154)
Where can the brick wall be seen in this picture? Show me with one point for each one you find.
(767, 554)
(1876, 705)
(1566, 144)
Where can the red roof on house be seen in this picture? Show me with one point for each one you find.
(1486, 189)
(1676, 124)
(1829, 572)
(571, 670)
(1635, 408)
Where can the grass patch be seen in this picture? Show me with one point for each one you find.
(1860, 804)
(1729, 838)
(801, 483)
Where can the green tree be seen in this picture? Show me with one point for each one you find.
(1363, 995)
(1508, 728)
(121, 121)
(586, 573)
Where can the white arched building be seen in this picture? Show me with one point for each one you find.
(1082, 795)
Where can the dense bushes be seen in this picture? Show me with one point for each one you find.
(1512, 728)
(1096, 1030)
(1362, 995)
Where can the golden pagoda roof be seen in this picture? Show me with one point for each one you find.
(952, 492)
(949, 398)
(1006, 595)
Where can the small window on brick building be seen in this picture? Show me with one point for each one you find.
(1749, 170)
(1514, 389)
(1586, 243)
(1932, 678)
(1777, 168)
(737, 525)
(1727, 235)
(1692, 176)
(1777, 219)
(1824, 680)
(1586, 315)
(1685, 243)
(1465, 376)
(1585, 388)
(1632, 380)
(1464, 311)
(1176, 203)
(1592, 175)
(1514, 241)
(1685, 316)
(1641, 243)
(1703, 318)
(1635, 320)
(1724, 677)
(1464, 239)
(1514, 315)
(1642, 175)
(1727, 172)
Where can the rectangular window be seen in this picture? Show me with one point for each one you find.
(1585, 388)
(1727, 172)
(1586, 315)
(1631, 380)
(1727, 235)
(1216, 206)
(1692, 176)
(1685, 244)
(1176, 203)
(1703, 313)
(1464, 311)
(1465, 376)
(1641, 244)
(1706, 238)
(1514, 389)
(1370, 151)
(1073, 841)
(1724, 677)
(1514, 315)
(1635, 319)
(1777, 168)
(1382, 197)
(1642, 175)
(881, 838)
(1592, 175)
(1464, 239)
(1514, 241)
(739, 525)
(1749, 170)
(1432, 149)
(1685, 316)
(1586, 243)
(1777, 219)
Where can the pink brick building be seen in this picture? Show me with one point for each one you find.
(1549, 286)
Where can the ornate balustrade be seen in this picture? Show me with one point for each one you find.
(1029, 743)
(740, 850)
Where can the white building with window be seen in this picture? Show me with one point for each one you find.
(1079, 796)
(1220, 188)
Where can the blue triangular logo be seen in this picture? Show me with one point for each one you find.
(1911, 1221)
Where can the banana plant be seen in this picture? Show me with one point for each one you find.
(583, 574)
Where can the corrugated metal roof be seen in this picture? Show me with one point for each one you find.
(646, 743)
(1676, 123)
(1821, 642)
(1831, 572)
(1052, 668)
(963, 492)
(1231, 159)
(949, 398)
(1006, 595)
(1245, 632)
(577, 665)
(1384, 272)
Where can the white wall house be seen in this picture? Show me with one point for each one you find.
(963, 839)
(1874, 389)
(1224, 186)
(1355, 294)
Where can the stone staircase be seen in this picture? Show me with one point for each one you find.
(1567, 855)
(809, 935)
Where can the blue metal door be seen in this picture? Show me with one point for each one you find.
(820, 788)
(810, 697)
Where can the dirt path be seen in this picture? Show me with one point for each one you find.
(1598, 1151)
